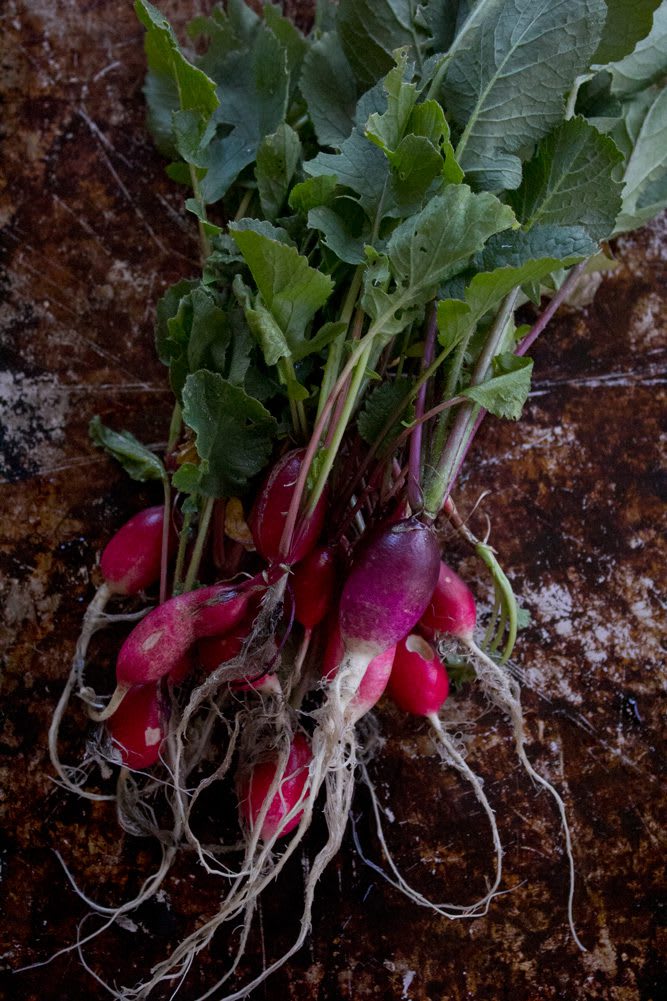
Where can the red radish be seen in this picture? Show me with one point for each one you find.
(372, 685)
(137, 728)
(131, 559)
(418, 683)
(158, 643)
(268, 516)
(254, 789)
(314, 584)
(182, 669)
(451, 608)
(217, 650)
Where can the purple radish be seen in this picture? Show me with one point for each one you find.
(386, 593)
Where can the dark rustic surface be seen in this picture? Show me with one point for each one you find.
(93, 232)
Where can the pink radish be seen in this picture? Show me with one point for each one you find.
(254, 789)
(451, 609)
(182, 669)
(137, 728)
(130, 561)
(268, 516)
(372, 685)
(418, 683)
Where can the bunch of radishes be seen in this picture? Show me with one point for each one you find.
(291, 656)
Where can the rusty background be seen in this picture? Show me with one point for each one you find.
(92, 233)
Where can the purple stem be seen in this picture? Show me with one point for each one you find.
(562, 294)
(415, 496)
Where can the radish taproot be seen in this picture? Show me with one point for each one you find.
(452, 612)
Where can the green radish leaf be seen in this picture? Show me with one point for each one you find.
(167, 308)
(337, 236)
(312, 193)
(386, 129)
(508, 74)
(253, 86)
(360, 165)
(327, 333)
(381, 403)
(291, 39)
(572, 180)
(329, 89)
(291, 290)
(234, 434)
(263, 326)
(505, 394)
(456, 321)
(138, 461)
(424, 249)
(264, 228)
(192, 205)
(645, 178)
(172, 84)
(415, 165)
(277, 159)
(371, 30)
(647, 64)
(628, 21)
(441, 20)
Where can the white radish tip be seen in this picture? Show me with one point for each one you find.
(417, 644)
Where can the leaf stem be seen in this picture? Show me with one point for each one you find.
(335, 353)
(460, 436)
(166, 525)
(197, 552)
(180, 555)
(415, 496)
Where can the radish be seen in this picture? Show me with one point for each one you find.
(386, 593)
(217, 650)
(156, 646)
(268, 516)
(418, 683)
(137, 728)
(451, 612)
(130, 561)
(374, 681)
(275, 817)
(314, 584)
(451, 608)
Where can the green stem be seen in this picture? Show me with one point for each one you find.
(180, 555)
(341, 426)
(288, 377)
(440, 433)
(335, 353)
(243, 206)
(442, 479)
(174, 427)
(197, 552)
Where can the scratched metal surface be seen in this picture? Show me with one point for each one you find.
(92, 232)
